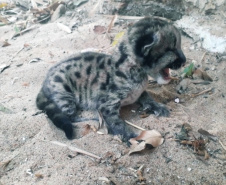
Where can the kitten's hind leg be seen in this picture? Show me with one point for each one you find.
(60, 120)
(54, 113)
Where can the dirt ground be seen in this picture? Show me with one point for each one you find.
(27, 155)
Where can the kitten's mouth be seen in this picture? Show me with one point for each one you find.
(165, 74)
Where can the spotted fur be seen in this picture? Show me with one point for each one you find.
(107, 82)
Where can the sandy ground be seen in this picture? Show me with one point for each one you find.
(27, 155)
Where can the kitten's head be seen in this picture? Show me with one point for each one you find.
(157, 45)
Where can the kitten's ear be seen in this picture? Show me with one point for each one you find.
(156, 38)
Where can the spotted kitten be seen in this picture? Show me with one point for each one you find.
(107, 82)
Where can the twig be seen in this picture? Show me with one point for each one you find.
(15, 54)
(24, 31)
(224, 147)
(129, 123)
(140, 173)
(112, 23)
(202, 92)
(203, 57)
(74, 149)
(137, 17)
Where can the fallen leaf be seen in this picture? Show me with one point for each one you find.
(183, 134)
(188, 71)
(87, 129)
(117, 38)
(137, 147)
(39, 176)
(4, 109)
(206, 133)
(4, 43)
(5, 164)
(25, 84)
(3, 5)
(199, 74)
(147, 137)
(99, 29)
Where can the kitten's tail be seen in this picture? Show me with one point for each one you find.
(59, 119)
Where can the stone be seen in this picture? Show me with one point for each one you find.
(61, 9)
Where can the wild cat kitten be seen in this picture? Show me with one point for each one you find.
(107, 82)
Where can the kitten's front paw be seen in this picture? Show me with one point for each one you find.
(157, 109)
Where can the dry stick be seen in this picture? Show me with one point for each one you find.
(202, 92)
(224, 147)
(129, 123)
(10, 60)
(24, 31)
(138, 17)
(74, 149)
(112, 23)
(203, 57)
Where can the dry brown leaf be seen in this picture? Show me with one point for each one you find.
(138, 148)
(87, 129)
(199, 74)
(39, 176)
(4, 43)
(147, 137)
(5, 164)
(25, 84)
(99, 29)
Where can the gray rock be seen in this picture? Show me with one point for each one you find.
(61, 9)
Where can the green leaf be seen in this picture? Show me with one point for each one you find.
(5, 110)
(188, 71)
(16, 29)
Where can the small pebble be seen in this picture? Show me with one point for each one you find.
(111, 169)
(189, 169)
(177, 100)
